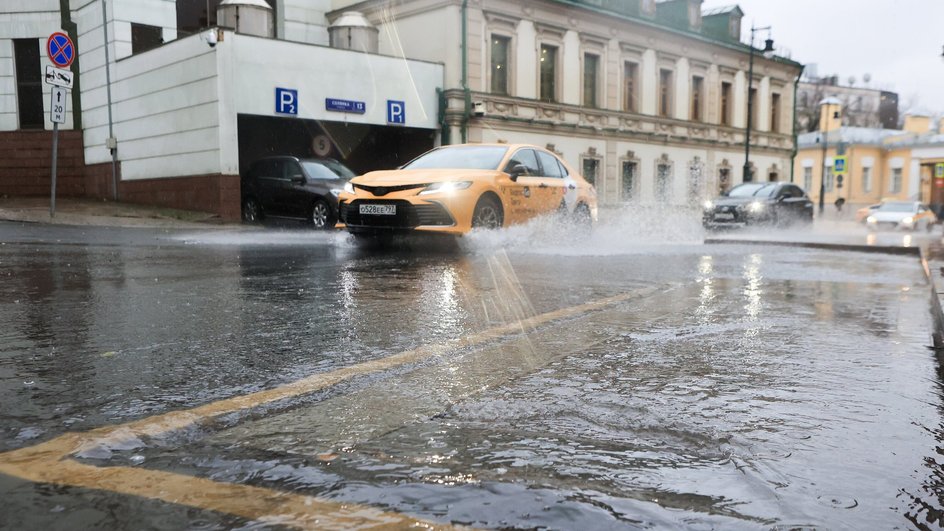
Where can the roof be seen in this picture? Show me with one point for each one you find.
(849, 135)
(723, 10)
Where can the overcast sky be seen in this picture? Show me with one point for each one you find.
(897, 42)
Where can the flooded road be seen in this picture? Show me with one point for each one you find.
(516, 380)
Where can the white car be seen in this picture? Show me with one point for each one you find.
(901, 215)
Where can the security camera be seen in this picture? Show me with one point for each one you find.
(211, 38)
(478, 109)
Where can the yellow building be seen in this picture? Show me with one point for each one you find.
(905, 164)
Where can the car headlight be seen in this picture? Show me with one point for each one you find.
(446, 187)
(871, 219)
(708, 205)
(908, 221)
(348, 188)
(756, 207)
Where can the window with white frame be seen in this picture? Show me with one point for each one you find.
(828, 182)
(631, 86)
(548, 72)
(866, 180)
(807, 179)
(895, 184)
(500, 64)
(630, 180)
(591, 76)
(663, 182)
(591, 169)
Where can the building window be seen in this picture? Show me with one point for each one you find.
(663, 182)
(499, 59)
(698, 89)
(591, 169)
(144, 37)
(29, 84)
(630, 87)
(828, 182)
(775, 113)
(696, 181)
(548, 73)
(866, 180)
(665, 92)
(726, 103)
(896, 181)
(629, 180)
(591, 73)
(807, 179)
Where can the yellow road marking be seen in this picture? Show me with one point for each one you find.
(51, 462)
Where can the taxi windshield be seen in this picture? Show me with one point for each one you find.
(460, 158)
(897, 206)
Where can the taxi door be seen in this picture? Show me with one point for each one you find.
(553, 187)
(520, 196)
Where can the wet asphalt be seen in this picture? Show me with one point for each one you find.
(732, 386)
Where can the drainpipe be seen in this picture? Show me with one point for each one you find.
(65, 16)
(110, 143)
(796, 85)
(466, 93)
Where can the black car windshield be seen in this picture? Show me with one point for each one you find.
(753, 190)
(326, 169)
(460, 158)
(897, 206)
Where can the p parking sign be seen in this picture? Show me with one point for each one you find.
(286, 101)
(396, 112)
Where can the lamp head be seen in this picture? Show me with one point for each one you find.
(769, 48)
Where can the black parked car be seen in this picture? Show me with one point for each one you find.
(775, 204)
(290, 187)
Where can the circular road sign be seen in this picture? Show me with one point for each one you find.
(60, 50)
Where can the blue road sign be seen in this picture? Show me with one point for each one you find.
(60, 50)
(338, 105)
(286, 101)
(396, 112)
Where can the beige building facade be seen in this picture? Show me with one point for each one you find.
(649, 99)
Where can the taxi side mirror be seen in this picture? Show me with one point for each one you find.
(517, 171)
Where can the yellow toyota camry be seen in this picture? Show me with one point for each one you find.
(454, 189)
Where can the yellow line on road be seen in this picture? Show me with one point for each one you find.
(51, 462)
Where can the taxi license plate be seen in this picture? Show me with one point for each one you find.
(379, 210)
(724, 216)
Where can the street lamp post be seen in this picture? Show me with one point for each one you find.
(768, 52)
(822, 179)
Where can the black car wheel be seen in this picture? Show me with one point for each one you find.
(252, 212)
(583, 221)
(487, 214)
(321, 216)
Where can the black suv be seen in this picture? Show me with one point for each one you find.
(773, 203)
(290, 187)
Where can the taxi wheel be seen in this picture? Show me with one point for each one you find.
(582, 218)
(320, 215)
(487, 214)
(252, 213)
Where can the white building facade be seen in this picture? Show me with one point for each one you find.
(181, 116)
(648, 98)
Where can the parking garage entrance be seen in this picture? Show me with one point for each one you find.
(361, 147)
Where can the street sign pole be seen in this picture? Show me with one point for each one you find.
(55, 161)
(57, 114)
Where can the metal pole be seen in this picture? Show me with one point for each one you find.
(55, 162)
(822, 178)
(750, 111)
(111, 133)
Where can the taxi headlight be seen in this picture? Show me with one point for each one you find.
(446, 187)
(908, 221)
(348, 188)
(871, 219)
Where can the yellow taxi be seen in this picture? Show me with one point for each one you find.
(454, 189)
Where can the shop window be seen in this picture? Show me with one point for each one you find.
(591, 169)
(663, 182)
(630, 177)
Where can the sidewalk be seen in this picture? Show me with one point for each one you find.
(92, 212)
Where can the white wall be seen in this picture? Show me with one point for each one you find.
(433, 36)
(304, 20)
(9, 120)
